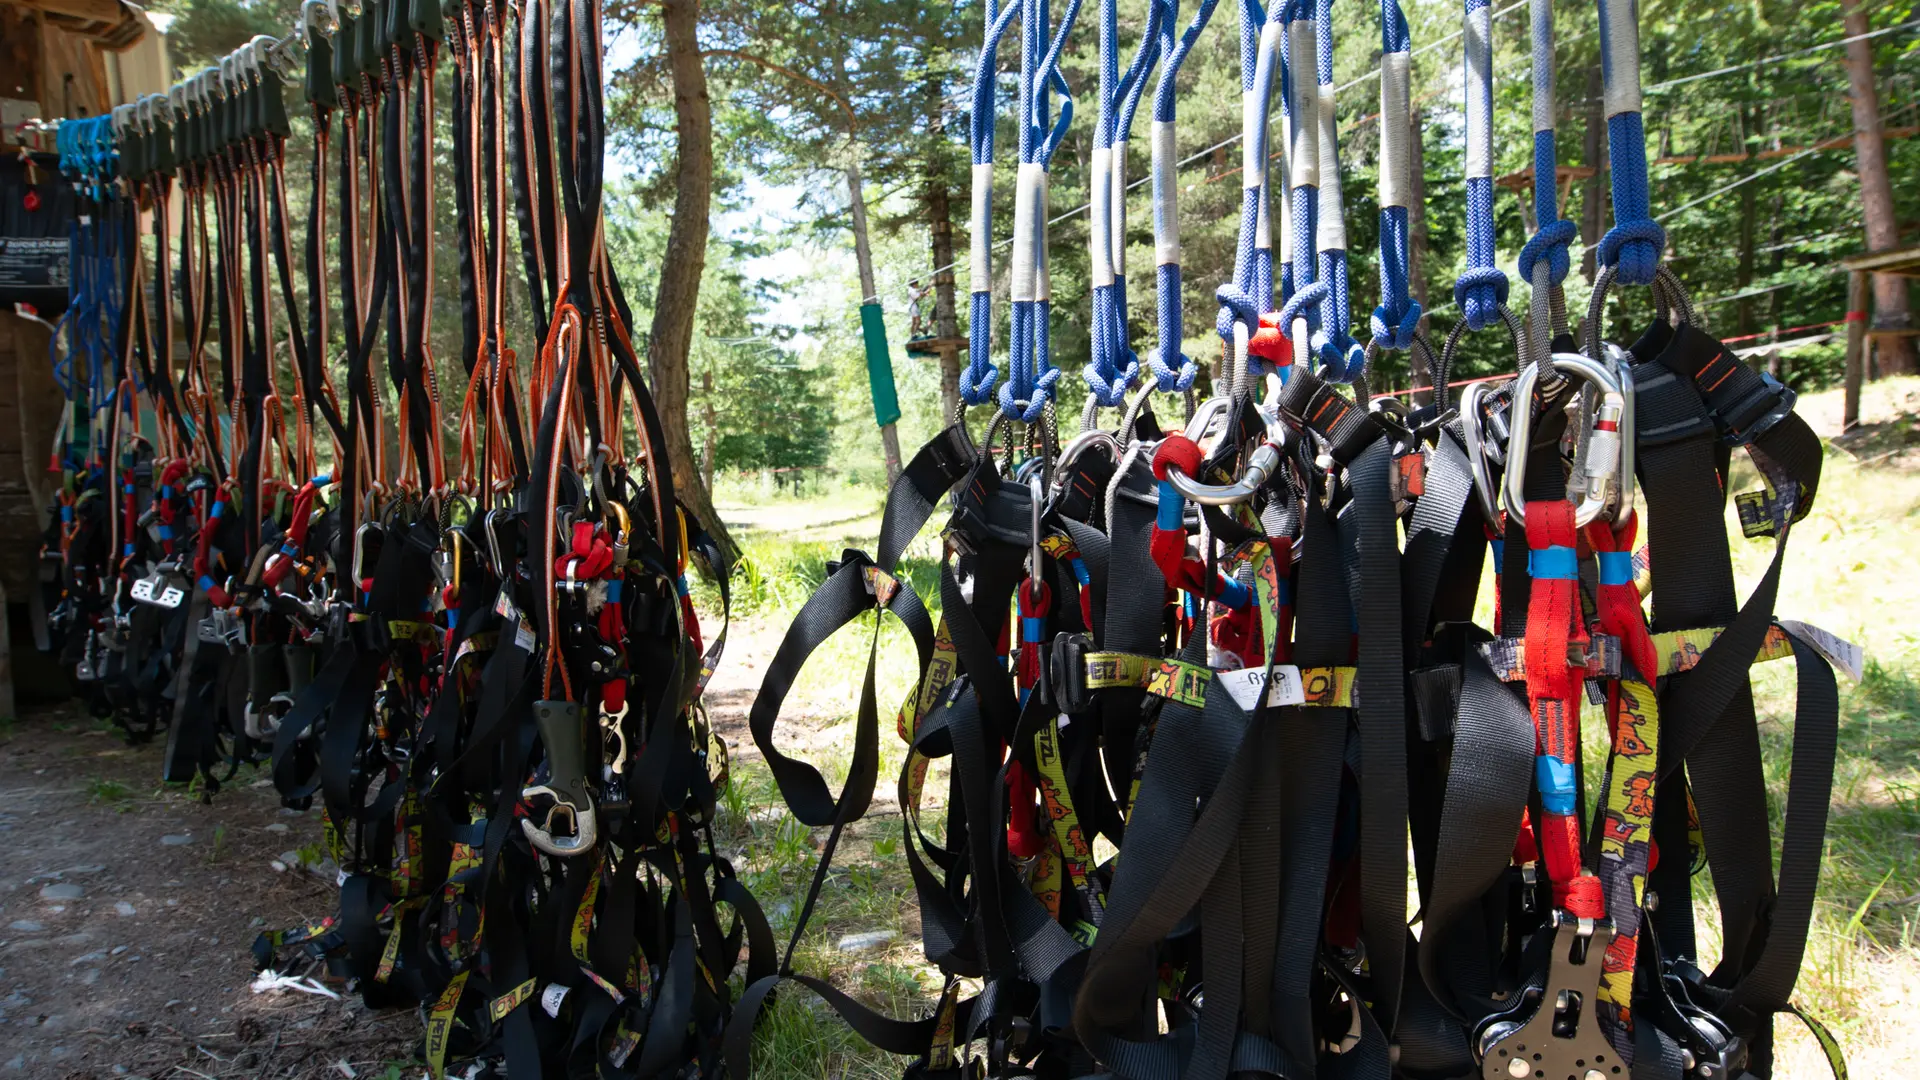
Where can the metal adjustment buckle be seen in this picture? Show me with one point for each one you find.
(1553, 1031)
(1709, 1050)
(1768, 404)
(559, 724)
(220, 627)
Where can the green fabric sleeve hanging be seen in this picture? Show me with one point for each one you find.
(873, 329)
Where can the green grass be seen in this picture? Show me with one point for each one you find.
(102, 789)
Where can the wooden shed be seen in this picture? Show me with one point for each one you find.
(58, 58)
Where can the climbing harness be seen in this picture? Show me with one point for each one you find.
(1207, 700)
(485, 668)
(1204, 696)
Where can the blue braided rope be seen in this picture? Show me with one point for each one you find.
(1397, 317)
(1172, 369)
(1636, 241)
(976, 385)
(1482, 286)
(1634, 245)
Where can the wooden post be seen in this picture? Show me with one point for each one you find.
(1856, 348)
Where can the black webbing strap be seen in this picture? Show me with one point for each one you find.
(1492, 772)
(1369, 529)
(842, 597)
(1699, 400)
(1312, 748)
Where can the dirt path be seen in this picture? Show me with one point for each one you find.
(127, 910)
(126, 913)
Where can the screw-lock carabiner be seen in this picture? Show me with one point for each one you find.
(1607, 442)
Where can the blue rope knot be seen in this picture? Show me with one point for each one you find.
(1390, 333)
(1341, 357)
(1171, 380)
(1304, 303)
(1634, 248)
(1027, 410)
(1235, 307)
(1125, 376)
(981, 392)
(1551, 242)
(1480, 292)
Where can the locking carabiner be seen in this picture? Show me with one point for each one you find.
(1607, 441)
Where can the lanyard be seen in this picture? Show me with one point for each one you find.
(1114, 367)
(1173, 371)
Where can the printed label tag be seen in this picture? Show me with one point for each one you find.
(551, 997)
(523, 636)
(511, 1000)
(1839, 652)
(1246, 683)
(503, 606)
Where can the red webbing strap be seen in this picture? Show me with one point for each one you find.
(1554, 624)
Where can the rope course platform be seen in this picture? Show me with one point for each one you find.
(1863, 331)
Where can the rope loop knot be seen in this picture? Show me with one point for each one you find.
(1390, 333)
(1480, 292)
(1551, 243)
(1633, 249)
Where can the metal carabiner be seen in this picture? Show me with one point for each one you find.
(1260, 465)
(1479, 450)
(1612, 430)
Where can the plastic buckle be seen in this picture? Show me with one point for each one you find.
(848, 557)
(1067, 673)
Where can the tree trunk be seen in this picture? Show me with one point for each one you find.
(671, 341)
(713, 429)
(1876, 191)
(939, 199)
(1594, 192)
(1417, 240)
(863, 254)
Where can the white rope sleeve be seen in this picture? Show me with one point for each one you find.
(1117, 176)
(1330, 226)
(1100, 231)
(1620, 40)
(1479, 56)
(1166, 195)
(1303, 140)
(1540, 13)
(981, 270)
(1042, 278)
(1395, 129)
(1026, 204)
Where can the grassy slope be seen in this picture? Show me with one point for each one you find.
(1847, 572)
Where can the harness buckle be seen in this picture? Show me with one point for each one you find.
(1756, 412)
(1067, 673)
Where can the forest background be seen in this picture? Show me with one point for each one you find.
(772, 165)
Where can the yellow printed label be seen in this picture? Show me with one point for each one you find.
(1177, 680)
(1682, 650)
(440, 1024)
(940, 671)
(511, 1000)
(583, 916)
(1110, 669)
